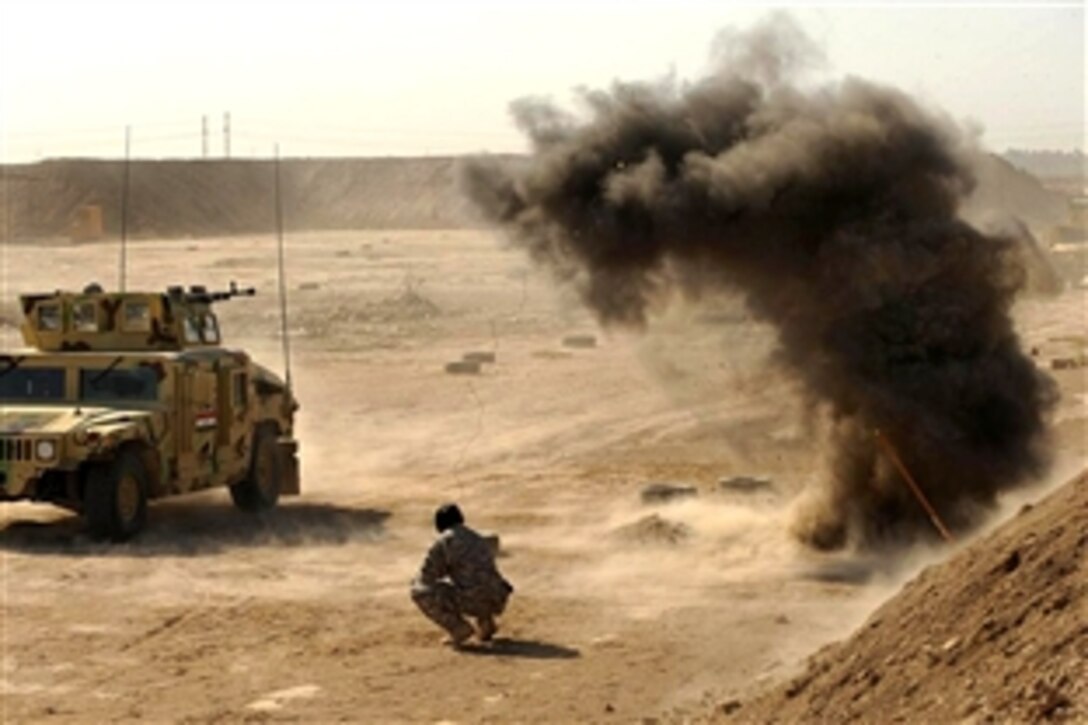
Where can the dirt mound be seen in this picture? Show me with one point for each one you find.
(215, 197)
(998, 632)
(1001, 187)
(1050, 164)
(191, 198)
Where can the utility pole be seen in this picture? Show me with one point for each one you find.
(124, 205)
(204, 136)
(282, 273)
(226, 135)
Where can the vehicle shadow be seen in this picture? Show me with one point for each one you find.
(197, 528)
(529, 649)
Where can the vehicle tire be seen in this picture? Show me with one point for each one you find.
(115, 497)
(260, 490)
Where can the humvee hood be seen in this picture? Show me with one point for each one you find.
(32, 419)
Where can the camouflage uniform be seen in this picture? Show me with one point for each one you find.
(459, 579)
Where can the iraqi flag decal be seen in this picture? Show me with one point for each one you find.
(206, 419)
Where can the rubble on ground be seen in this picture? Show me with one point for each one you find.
(653, 529)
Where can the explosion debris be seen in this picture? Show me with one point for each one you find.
(653, 529)
(833, 211)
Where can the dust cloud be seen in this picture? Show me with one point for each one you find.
(833, 210)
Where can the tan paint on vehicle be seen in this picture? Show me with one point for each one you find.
(104, 370)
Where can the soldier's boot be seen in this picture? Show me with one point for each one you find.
(487, 628)
(439, 604)
(460, 634)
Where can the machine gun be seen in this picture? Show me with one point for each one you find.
(199, 294)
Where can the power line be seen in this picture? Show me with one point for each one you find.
(93, 131)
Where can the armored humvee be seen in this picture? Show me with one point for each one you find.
(122, 397)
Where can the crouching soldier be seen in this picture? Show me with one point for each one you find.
(459, 579)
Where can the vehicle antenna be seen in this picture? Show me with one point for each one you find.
(893, 456)
(124, 206)
(283, 278)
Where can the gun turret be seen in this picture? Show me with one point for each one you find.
(125, 321)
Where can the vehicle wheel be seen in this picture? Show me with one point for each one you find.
(261, 488)
(115, 497)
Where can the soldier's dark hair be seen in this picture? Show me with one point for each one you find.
(447, 516)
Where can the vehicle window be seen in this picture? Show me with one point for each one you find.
(49, 318)
(210, 329)
(118, 384)
(137, 316)
(85, 316)
(32, 384)
(192, 334)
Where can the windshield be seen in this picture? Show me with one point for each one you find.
(118, 384)
(32, 384)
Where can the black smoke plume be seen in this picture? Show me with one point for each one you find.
(833, 211)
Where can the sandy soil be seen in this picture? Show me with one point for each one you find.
(997, 633)
(304, 613)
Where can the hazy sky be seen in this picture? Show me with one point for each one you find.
(383, 77)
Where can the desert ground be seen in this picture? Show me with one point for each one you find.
(623, 611)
